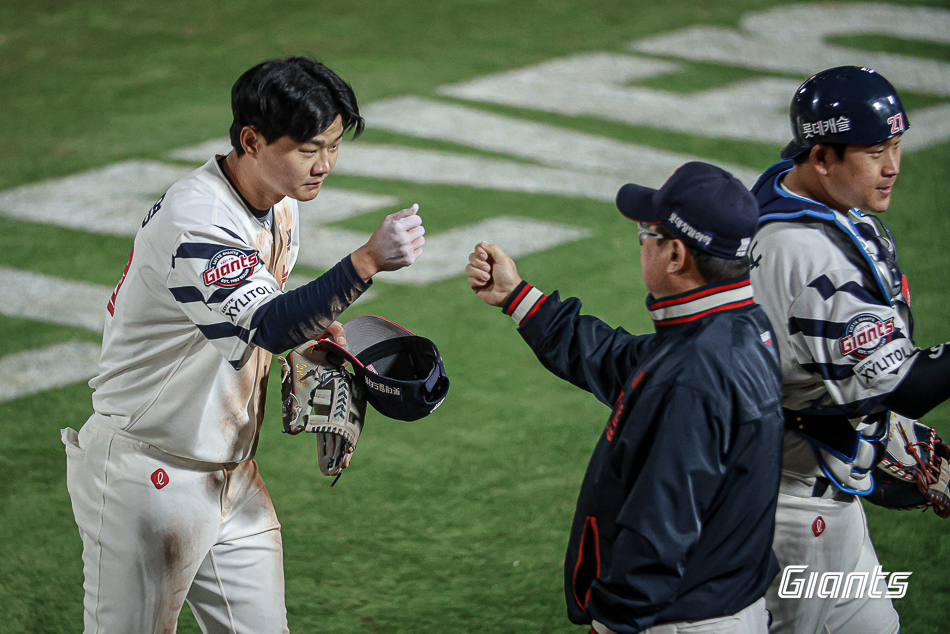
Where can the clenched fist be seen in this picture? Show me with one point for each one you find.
(491, 273)
(395, 244)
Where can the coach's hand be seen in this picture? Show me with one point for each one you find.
(395, 244)
(491, 273)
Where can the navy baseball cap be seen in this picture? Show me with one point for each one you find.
(703, 205)
(403, 374)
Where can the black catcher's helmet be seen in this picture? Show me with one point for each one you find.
(845, 104)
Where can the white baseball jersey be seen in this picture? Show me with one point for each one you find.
(177, 369)
(844, 345)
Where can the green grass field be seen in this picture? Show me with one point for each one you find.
(458, 522)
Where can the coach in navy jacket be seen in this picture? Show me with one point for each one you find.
(675, 517)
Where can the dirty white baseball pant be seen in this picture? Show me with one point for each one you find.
(751, 620)
(843, 545)
(158, 530)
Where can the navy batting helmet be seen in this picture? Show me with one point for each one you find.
(845, 104)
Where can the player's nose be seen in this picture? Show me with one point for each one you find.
(322, 164)
(892, 164)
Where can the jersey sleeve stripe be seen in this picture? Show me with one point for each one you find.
(827, 289)
(230, 233)
(186, 294)
(201, 250)
(816, 328)
(223, 331)
(190, 294)
(830, 371)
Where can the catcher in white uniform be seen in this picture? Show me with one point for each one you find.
(164, 486)
(825, 271)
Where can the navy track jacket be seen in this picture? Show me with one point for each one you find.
(676, 514)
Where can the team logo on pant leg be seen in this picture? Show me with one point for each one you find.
(865, 334)
(230, 267)
(159, 478)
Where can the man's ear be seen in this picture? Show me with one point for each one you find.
(821, 157)
(681, 260)
(251, 140)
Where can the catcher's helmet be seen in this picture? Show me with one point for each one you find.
(845, 104)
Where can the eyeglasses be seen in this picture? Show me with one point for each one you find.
(644, 231)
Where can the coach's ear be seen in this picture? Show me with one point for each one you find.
(251, 140)
(680, 259)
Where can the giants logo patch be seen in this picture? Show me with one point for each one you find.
(865, 334)
(230, 267)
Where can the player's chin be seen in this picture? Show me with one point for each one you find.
(307, 192)
(880, 203)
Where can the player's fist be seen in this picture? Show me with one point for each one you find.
(491, 273)
(395, 244)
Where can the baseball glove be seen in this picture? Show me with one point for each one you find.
(915, 470)
(323, 399)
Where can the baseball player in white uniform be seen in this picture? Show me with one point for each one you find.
(825, 271)
(164, 486)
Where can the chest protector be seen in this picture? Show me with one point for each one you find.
(846, 449)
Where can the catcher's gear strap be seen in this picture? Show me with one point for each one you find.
(915, 470)
(926, 385)
(845, 454)
(833, 430)
(523, 302)
(295, 317)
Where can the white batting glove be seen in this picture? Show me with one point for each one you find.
(398, 240)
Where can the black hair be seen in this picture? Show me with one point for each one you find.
(837, 148)
(713, 269)
(296, 97)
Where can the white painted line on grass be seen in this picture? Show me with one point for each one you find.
(547, 144)
(33, 371)
(792, 39)
(447, 255)
(111, 200)
(53, 299)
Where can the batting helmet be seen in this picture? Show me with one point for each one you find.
(845, 104)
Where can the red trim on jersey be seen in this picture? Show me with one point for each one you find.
(125, 271)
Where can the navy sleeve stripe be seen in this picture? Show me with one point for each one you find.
(230, 233)
(830, 371)
(223, 331)
(827, 289)
(186, 294)
(223, 293)
(202, 250)
(816, 328)
(190, 294)
(858, 291)
(824, 286)
(862, 407)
